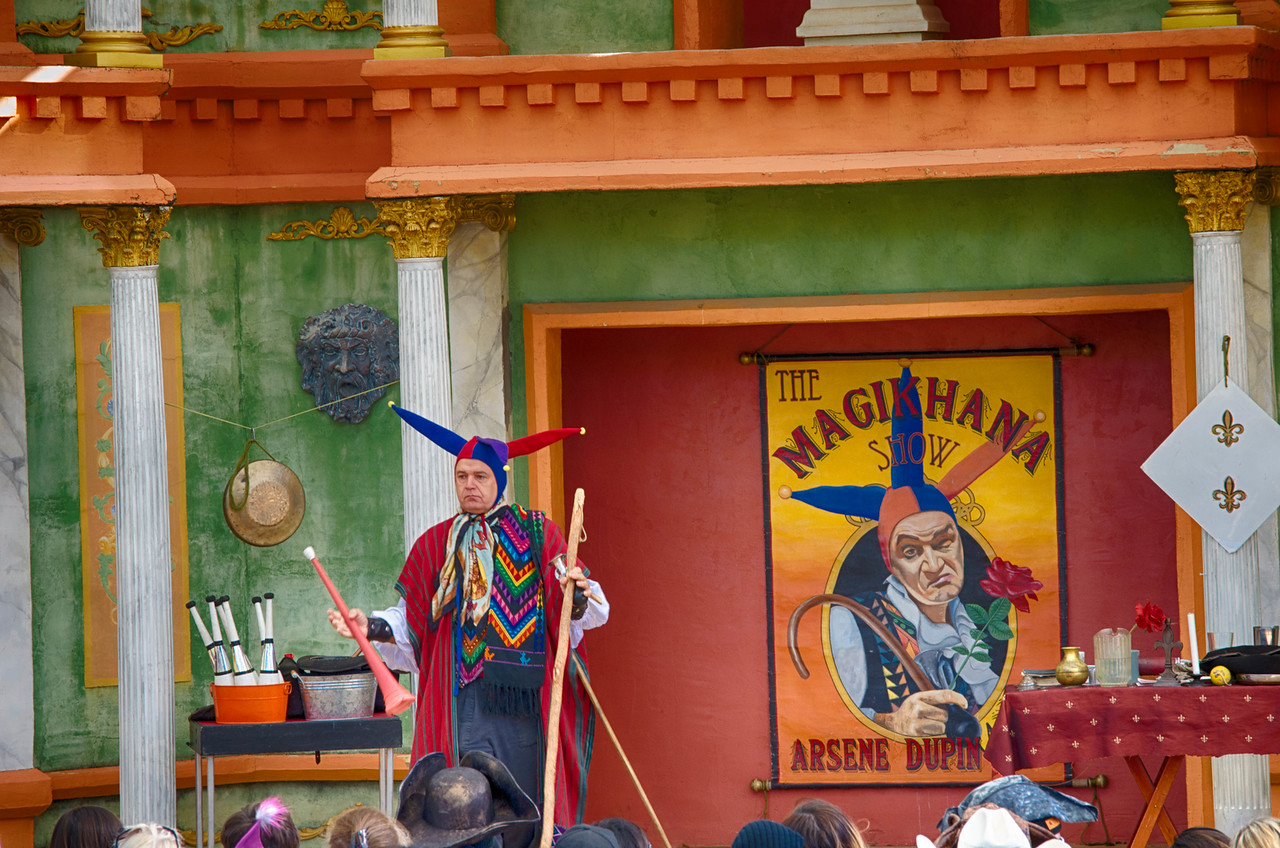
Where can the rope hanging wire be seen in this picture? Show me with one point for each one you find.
(253, 429)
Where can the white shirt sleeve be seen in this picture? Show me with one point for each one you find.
(597, 614)
(399, 654)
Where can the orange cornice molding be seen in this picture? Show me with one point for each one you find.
(287, 127)
(74, 135)
(1182, 99)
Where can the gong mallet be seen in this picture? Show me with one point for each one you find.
(557, 678)
(395, 696)
(595, 702)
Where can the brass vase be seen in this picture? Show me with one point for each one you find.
(1072, 671)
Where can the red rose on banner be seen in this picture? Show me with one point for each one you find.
(1148, 616)
(1006, 580)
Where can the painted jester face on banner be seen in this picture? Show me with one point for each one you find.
(927, 557)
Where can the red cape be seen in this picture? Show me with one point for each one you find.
(435, 730)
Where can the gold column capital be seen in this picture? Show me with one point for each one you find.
(23, 223)
(418, 227)
(1216, 201)
(495, 211)
(130, 235)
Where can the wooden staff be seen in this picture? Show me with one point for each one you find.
(557, 678)
(586, 684)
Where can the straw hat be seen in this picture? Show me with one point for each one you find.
(263, 502)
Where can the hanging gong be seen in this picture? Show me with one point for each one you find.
(263, 501)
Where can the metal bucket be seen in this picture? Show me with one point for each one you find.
(338, 695)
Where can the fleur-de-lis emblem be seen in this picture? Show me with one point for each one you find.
(1229, 496)
(1228, 432)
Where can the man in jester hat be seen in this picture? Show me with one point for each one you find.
(918, 607)
(478, 620)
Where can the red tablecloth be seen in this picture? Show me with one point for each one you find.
(1068, 724)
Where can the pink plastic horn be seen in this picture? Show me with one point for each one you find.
(397, 697)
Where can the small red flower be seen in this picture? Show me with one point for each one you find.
(1148, 616)
(1006, 580)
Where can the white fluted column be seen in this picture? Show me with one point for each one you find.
(419, 229)
(112, 37)
(1216, 205)
(426, 389)
(113, 16)
(410, 30)
(144, 594)
(130, 237)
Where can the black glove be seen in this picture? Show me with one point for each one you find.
(379, 630)
(579, 602)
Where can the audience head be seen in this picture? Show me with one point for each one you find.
(269, 821)
(763, 833)
(86, 827)
(824, 825)
(379, 830)
(587, 836)
(1201, 837)
(148, 835)
(1259, 833)
(628, 833)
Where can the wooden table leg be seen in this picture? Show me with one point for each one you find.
(1139, 772)
(1155, 800)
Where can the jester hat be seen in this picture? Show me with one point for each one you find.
(908, 493)
(492, 452)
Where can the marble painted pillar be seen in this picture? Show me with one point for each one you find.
(410, 30)
(112, 37)
(17, 714)
(1216, 204)
(130, 237)
(1255, 243)
(419, 231)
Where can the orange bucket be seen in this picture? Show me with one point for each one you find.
(250, 704)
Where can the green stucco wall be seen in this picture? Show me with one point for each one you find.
(242, 300)
(528, 26)
(239, 21)
(586, 26)
(1072, 17)
(958, 235)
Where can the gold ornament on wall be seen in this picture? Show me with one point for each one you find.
(130, 235)
(495, 211)
(342, 223)
(23, 224)
(176, 36)
(1216, 201)
(414, 225)
(335, 16)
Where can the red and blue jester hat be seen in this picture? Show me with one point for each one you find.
(908, 492)
(494, 453)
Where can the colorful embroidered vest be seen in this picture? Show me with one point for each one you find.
(506, 650)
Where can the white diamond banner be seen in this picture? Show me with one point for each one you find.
(1222, 465)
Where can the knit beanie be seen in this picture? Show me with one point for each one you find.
(767, 834)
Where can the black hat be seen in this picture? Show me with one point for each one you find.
(763, 833)
(443, 807)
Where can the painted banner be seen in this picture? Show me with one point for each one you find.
(914, 518)
(97, 490)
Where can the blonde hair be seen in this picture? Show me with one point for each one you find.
(148, 835)
(379, 830)
(824, 825)
(1259, 833)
